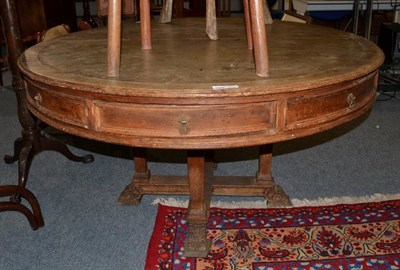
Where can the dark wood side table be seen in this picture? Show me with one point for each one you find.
(191, 93)
(34, 139)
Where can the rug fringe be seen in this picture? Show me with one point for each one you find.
(296, 202)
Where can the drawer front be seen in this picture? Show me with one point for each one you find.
(184, 121)
(61, 107)
(312, 110)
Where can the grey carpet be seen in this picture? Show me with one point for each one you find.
(86, 229)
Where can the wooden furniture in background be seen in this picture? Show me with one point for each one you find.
(198, 8)
(196, 95)
(3, 53)
(34, 139)
(35, 16)
(289, 16)
(87, 21)
(224, 8)
(303, 6)
(306, 6)
(38, 15)
(195, 8)
(128, 7)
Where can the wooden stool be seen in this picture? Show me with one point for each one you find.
(254, 20)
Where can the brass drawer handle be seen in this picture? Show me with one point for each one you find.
(184, 121)
(38, 100)
(351, 100)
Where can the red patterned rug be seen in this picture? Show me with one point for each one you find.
(347, 236)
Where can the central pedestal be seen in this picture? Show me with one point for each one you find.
(200, 184)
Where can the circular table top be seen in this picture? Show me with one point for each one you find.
(183, 62)
(189, 92)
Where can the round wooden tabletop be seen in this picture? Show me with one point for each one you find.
(189, 92)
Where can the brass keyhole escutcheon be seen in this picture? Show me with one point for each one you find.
(184, 122)
(38, 100)
(351, 100)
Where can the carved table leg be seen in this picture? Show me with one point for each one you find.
(46, 142)
(275, 195)
(132, 194)
(197, 244)
(29, 124)
(33, 142)
(17, 149)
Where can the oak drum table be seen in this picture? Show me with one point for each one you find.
(199, 95)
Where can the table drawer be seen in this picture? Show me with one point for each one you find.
(184, 120)
(64, 108)
(315, 109)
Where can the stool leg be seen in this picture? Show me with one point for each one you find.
(145, 26)
(246, 9)
(211, 20)
(268, 17)
(166, 12)
(114, 38)
(259, 38)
